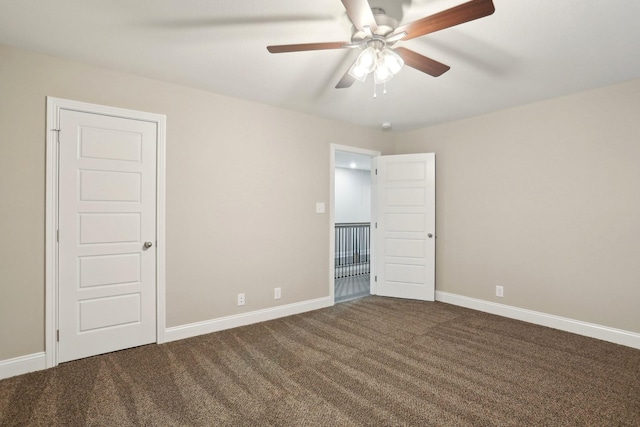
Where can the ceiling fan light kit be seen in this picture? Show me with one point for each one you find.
(375, 33)
(383, 62)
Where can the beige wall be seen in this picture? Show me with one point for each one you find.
(545, 200)
(242, 183)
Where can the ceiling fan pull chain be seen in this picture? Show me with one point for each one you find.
(384, 88)
(374, 89)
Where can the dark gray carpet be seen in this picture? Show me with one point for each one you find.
(373, 361)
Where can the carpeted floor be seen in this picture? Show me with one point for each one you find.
(372, 361)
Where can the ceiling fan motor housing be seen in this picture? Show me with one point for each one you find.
(385, 24)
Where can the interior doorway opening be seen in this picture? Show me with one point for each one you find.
(352, 225)
(401, 249)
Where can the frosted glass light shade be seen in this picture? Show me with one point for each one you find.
(382, 74)
(365, 64)
(392, 61)
(357, 72)
(367, 59)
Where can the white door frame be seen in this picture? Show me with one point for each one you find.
(54, 106)
(332, 211)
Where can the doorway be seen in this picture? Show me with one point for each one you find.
(401, 249)
(352, 213)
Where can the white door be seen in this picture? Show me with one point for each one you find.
(405, 233)
(107, 211)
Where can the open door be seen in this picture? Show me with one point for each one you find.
(405, 226)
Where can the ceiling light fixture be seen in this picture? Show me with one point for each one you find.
(378, 59)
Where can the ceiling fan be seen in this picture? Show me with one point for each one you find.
(375, 33)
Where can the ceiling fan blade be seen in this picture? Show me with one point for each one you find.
(346, 81)
(307, 46)
(360, 14)
(465, 12)
(421, 63)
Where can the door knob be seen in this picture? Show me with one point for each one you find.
(429, 235)
(147, 244)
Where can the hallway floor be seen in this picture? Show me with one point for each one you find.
(349, 288)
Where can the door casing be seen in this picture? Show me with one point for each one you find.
(54, 107)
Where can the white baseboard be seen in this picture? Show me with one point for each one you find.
(605, 333)
(228, 322)
(22, 365)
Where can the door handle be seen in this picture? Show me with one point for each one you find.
(430, 235)
(147, 244)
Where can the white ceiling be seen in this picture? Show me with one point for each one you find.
(352, 161)
(526, 51)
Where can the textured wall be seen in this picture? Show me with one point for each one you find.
(544, 200)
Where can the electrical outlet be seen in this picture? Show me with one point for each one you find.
(277, 293)
(240, 299)
(499, 291)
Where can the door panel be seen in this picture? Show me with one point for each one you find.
(109, 270)
(107, 210)
(98, 313)
(405, 234)
(109, 186)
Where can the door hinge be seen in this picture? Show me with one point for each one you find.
(58, 335)
(376, 225)
(376, 171)
(375, 278)
(58, 236)
(58, 131)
